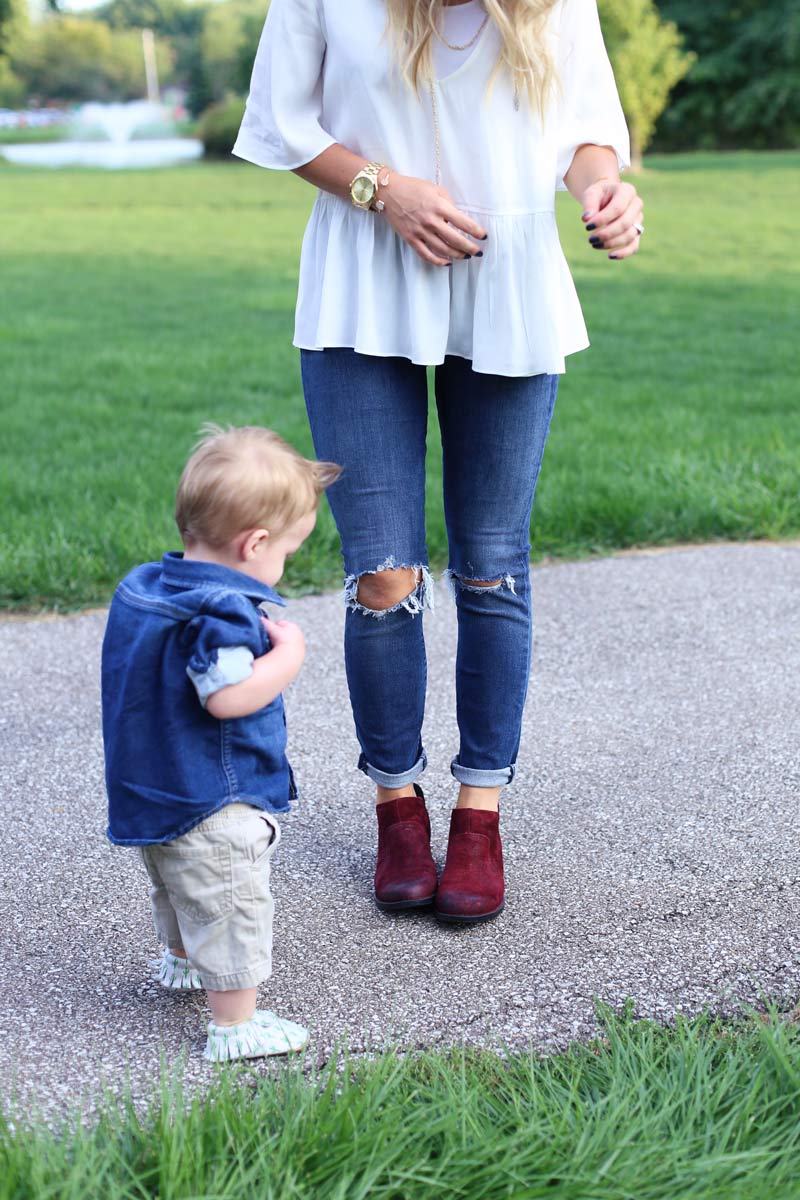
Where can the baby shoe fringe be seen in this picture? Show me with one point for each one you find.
(177, 974)
(263, 1035)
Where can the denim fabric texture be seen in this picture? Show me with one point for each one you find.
(169, 763)
(371, 415)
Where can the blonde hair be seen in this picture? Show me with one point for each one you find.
(524, 52)
(246, 478)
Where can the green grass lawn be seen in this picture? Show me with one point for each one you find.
(702, 1112)
(136, 305)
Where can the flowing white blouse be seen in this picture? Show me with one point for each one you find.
(324, 73)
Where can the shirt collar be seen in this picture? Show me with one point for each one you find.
(181, 572)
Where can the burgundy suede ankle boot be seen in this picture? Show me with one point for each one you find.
(405, 875)
(471, 888)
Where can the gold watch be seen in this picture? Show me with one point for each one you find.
(364, 188)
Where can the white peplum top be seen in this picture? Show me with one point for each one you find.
(325, 73)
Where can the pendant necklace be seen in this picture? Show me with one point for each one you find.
(432, 89)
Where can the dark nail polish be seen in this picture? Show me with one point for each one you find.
(596, 241)
(467, 256)
(591, 227)
(613, 256)
(479, 254)
(485, 236)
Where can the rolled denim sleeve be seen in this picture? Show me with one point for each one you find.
(233, 664)
(222, 643)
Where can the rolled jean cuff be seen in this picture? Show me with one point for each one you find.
(384, 779)
(235, 981)
(475, 778)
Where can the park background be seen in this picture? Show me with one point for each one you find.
(137, 304)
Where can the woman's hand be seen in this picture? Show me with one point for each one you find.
(611, 211)
(425, 217)
(422, 214)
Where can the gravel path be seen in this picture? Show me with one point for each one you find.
(651, 835)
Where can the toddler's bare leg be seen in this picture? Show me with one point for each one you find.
(231, 1008)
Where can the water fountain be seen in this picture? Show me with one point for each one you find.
(118, 122)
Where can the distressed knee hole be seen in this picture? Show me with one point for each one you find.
(381, 590)
(389, 587)
(478, 585)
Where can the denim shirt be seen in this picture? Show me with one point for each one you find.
(177, 632)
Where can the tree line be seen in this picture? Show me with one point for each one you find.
(719, 74)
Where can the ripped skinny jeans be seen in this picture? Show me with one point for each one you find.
(370, 415)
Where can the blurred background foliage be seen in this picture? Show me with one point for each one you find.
(720, 74)
(743, 89)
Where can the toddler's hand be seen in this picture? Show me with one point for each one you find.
(285, 633)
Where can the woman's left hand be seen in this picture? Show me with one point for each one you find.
(612, 209)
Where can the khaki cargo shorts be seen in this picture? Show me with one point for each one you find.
(210, 894)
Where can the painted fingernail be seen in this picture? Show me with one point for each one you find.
(596, 241)
(485, 236)
(613, 256)
(591, 227)
(479, 254)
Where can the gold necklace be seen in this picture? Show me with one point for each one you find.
(437, 146)
(437, 150)
(432, 90)
(466, 45)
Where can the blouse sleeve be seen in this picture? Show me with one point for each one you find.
(281, 126)
(589, 109)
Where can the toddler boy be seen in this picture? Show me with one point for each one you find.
(194, 725)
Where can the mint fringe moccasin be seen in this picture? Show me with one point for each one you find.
(263, 1035)
(177, 974)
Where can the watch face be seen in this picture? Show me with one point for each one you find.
(363, 190)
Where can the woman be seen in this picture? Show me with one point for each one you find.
(437, 134)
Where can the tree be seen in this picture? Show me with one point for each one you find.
(13, 25)
(229, 41)
(75, 59)
(13, 19)
(648, 61)
(5, 16)
(180, 23)
(743, 89)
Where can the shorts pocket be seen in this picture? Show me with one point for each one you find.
(199, 882)
(268, 839)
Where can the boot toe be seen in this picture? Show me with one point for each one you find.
(467, 906)
(416, 891)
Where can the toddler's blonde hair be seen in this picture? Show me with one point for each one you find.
(246, 478)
